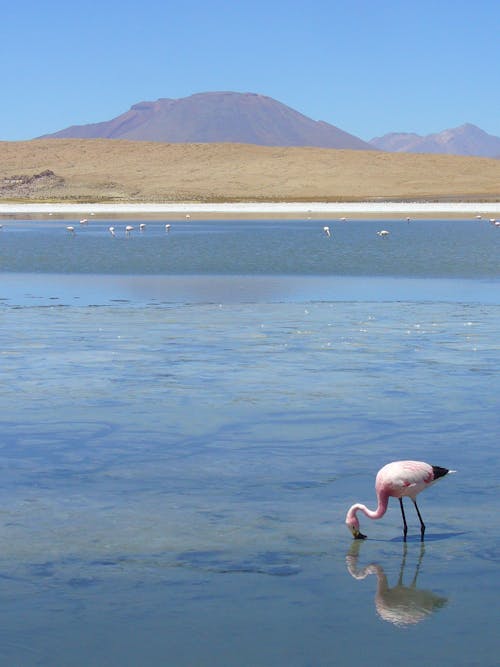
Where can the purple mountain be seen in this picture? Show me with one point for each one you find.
(218, 117)
(464, 140)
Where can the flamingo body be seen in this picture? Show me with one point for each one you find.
(397, 479)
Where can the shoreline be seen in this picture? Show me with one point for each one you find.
(261, 210)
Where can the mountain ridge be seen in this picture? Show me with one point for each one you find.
(218, 117)
(251, 118)
(466, 139)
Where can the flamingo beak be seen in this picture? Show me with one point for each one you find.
(357, 534)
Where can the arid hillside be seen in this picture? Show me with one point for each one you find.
(116, 170)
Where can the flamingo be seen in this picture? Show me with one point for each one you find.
(383, 232)
(142, 227)
(83, 221)
(397, 479)
(167, 227)
(326, 229)
(111, 231)
(70, 229)
(128, 229)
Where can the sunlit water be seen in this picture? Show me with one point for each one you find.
(187, 416)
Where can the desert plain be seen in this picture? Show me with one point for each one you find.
(117, 171)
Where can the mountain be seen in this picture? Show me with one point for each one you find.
(464, 140)
(217, 118)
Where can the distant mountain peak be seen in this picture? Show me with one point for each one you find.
(218, 117)
(466, 139)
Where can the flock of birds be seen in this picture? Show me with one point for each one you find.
(142, 227)
(383, 233)
(112, 230)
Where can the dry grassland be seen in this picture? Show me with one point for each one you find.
(121, 171)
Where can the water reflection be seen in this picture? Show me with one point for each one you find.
(400, 605)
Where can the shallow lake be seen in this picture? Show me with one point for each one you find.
(188, 414)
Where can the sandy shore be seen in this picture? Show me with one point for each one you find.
(261, 210)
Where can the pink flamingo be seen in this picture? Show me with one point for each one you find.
(397, 479)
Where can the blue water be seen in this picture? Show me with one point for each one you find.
(187, 416)
(425, 249)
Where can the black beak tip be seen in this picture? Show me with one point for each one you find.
(360, 536)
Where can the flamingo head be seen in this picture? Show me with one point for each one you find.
(352, 523)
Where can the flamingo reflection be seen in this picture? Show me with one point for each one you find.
(400, 605)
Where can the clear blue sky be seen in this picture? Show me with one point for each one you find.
(367, 66)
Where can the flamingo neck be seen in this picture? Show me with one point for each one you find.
(383, 500)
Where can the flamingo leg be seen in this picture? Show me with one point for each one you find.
(405, 525)
(422, 524)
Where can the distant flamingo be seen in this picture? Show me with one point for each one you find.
(383, 232)
(326, 229)
(397, 479)
(167, 227)
(111, 231)
(142, 227)
(128, 229)
(71, 229)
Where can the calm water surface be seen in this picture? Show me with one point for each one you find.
(187, 416)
